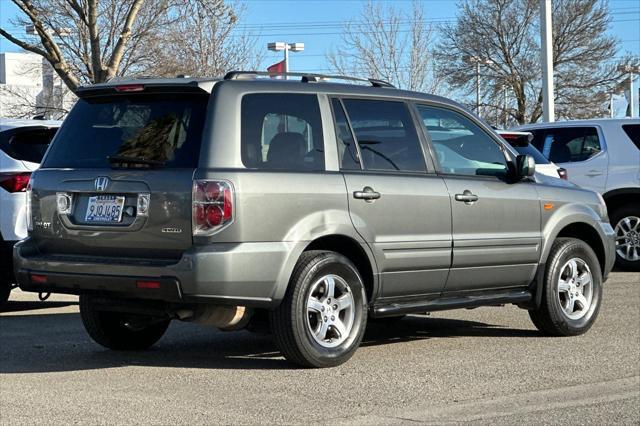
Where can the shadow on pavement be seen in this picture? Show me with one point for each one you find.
(19, 306)
(58, 342)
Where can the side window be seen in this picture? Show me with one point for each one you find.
(386, 135)
(569, 144)
(461, 146)
(347, 151)
(633, 131)
(281, 131)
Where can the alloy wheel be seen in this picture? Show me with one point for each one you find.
(575, 288)
(628, 238)
(330, 311)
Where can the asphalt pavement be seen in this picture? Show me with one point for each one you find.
(487, 365)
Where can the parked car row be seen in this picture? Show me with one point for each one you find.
(307, 203)
(22, 146)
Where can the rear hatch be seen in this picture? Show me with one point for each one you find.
(117, 179)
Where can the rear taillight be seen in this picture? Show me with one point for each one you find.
(15, 182)
(563, 173)
(212, 206)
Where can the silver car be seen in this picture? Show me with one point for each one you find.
(308, 203)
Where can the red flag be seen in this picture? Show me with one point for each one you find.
(277, 68)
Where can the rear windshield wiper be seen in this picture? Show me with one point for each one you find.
(133, 160)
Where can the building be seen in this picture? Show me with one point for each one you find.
(29, 87)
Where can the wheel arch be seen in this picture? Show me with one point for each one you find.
(618, 197)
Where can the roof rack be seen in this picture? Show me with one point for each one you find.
(304, 77)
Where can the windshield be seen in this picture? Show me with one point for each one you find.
(139, 131)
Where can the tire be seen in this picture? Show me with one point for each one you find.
(307, 324)
(561, 311)
(627, 234)
(109, 330)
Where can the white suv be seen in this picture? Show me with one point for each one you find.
(603, 155)
(22, 145)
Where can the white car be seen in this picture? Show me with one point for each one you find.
(22, 145)
(520, 141)
(602, 155)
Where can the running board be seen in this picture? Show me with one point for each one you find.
(414, 306)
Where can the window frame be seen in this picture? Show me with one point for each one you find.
(509, 156)
(422, 142)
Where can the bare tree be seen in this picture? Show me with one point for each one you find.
(206, 41)
(92, 41)
(507, 33)
(388, 44)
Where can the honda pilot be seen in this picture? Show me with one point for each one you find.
(306, 203)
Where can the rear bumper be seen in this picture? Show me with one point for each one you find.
(237, 274)
(6, 261)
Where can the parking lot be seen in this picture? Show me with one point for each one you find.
(482, 365)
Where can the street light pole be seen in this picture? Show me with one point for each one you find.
(478, 61)
(281, 45)
(548, 107)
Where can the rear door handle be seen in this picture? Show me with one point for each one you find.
(467, 197)
(367, 194)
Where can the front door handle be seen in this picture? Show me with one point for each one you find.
(467, 197)
(593, 173)
(367, 194)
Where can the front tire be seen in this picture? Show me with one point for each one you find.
(323, 316)
(120, 331)
(626, 224)
(572, 290)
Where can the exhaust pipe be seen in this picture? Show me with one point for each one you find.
(225, 318)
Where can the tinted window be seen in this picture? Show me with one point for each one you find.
(461, 146)
(347, 151)
(166, 129)
(27, 144)
(282, 131)
(633, 131)
(567, 144)
(386, 135)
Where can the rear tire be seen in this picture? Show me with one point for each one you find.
(111, 329)
(626, 222)
(572, 290)
(323, 316)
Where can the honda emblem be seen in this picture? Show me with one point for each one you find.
(102, 183)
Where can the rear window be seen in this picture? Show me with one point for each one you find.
(157, 130)
(27, 144)
(633, 131)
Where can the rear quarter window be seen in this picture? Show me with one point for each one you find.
(633, 131)
(162, 128)
(281, 131)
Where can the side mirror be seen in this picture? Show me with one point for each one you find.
(525, 166)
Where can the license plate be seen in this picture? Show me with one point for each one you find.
(105, 208)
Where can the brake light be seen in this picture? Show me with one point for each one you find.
(212, 206)
(563, 173)
(15, 182)
(130, 88)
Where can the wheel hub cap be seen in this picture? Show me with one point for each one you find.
(628, 238)
(575, 289)
(330, 311)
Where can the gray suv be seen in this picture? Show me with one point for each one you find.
(307, 204)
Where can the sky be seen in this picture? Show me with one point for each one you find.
(318, 23)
